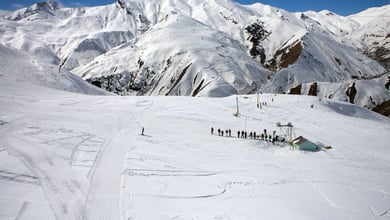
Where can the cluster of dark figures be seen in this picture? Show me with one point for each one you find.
(221, 132)
(263, 136)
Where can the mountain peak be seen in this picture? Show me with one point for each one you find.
(47, 8)
(47, 5)
(208, 48)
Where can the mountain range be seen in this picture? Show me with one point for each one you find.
(210, 48)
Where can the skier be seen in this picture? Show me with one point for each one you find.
(219, 132)
(212, 130)
(143, 129)
(238, 134)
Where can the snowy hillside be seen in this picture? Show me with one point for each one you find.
(67, 155)
(208, 48)
(374, 33)
(22, 67)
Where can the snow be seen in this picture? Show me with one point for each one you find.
(200, 48)
(78, 154)
(21, 66)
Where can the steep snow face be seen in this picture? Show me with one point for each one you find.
(22, 67)
(199, 48)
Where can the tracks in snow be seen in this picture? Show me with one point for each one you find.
(103, 199)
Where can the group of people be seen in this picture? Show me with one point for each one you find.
(263, 136)
(221, 132)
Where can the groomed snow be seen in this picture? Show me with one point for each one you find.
(68, 155)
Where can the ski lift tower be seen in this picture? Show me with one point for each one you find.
(286, 129)
(238, 111)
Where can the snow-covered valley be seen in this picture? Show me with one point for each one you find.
(69, 155)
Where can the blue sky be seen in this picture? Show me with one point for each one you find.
(342, 7)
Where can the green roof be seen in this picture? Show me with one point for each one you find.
(303, 144)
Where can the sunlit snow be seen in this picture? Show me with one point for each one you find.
(69, 155)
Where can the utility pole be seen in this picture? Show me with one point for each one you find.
(238, 111)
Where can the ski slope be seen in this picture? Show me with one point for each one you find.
(67, 155)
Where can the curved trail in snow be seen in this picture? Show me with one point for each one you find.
(104, 194)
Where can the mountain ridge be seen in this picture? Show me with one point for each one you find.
(203, 48)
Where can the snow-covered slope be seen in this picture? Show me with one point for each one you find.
(204, 48)
(22, 67)
(72, 156)
(374, 33)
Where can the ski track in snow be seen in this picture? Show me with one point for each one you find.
(90, 162)
(103, 196)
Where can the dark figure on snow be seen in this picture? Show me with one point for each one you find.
(262, 136)
(212, 130)
(242, 134)
(143, 129)
(254, 135)
(250, 135)
(238, 134)
(351, 93)
(246, 134)
(230, 133)
(219, 132)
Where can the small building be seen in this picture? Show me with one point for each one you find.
(304, 144)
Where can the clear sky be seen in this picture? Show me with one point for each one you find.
(342, 7)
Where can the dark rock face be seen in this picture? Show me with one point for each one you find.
(256, 34)
(121, 83)
(296, 90)
(313, 89)
(383, 108)
(378, 49)
(285, 56)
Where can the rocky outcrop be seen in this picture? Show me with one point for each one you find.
(256, 34)
(285, 56)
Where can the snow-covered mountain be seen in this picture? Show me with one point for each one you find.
(66, 155)
(70, 150)
(210, 48)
